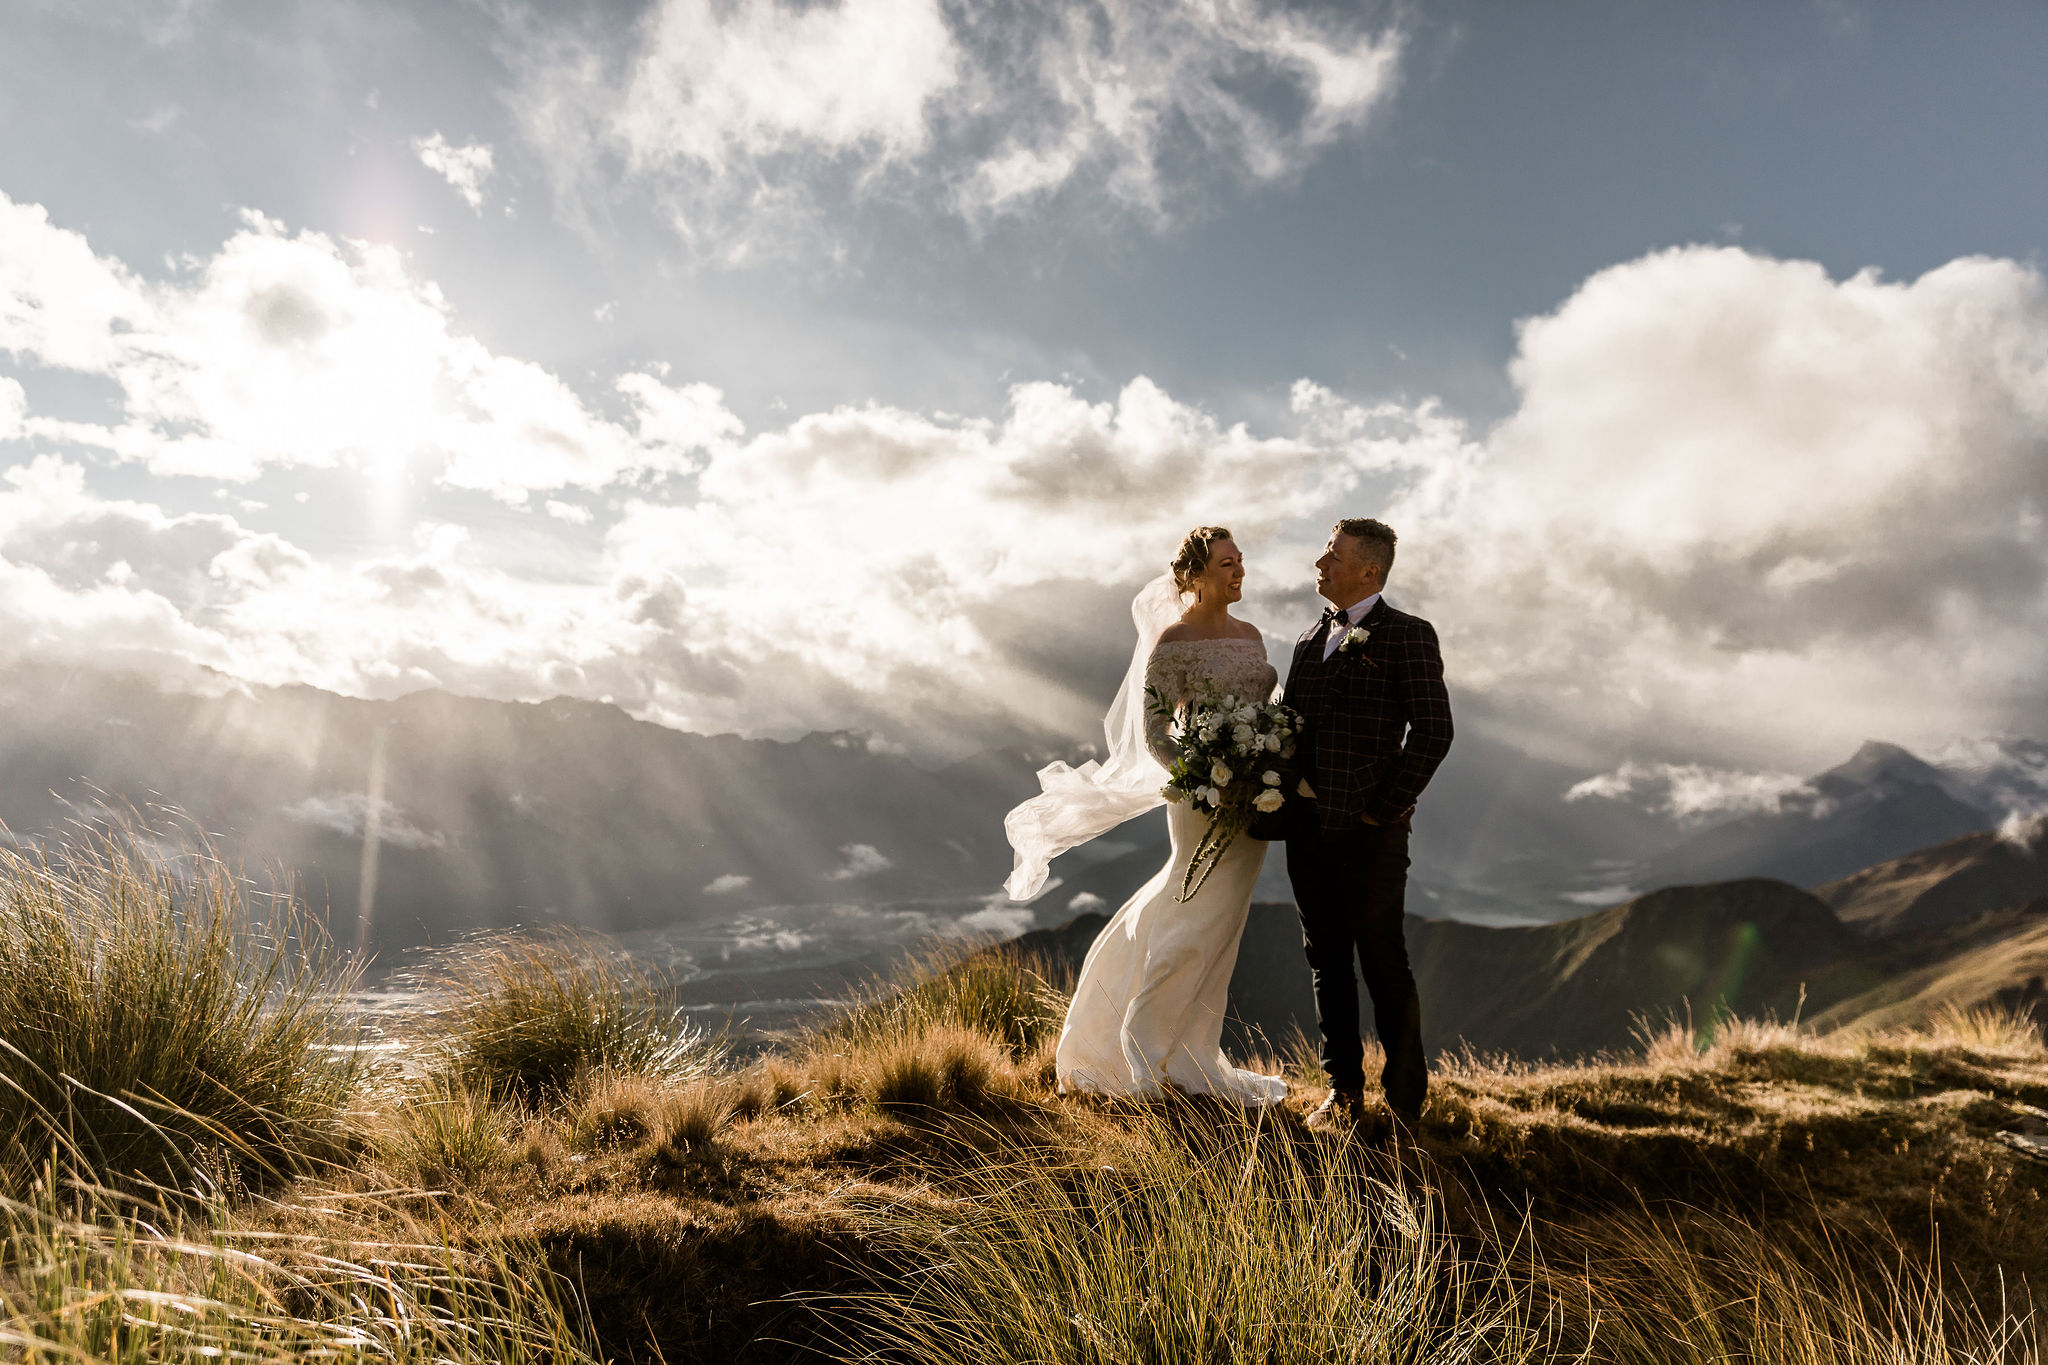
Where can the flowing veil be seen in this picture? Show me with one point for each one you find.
(1075, 805)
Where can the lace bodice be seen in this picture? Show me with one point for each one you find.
(1182, 670)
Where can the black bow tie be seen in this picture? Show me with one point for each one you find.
(1332, 614)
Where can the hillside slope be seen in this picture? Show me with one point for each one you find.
(1950, 883)
(496, 813)
(1593, 984)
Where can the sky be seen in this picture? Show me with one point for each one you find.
(771, 367)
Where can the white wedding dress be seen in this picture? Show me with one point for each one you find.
(1150, 1003)
(1148, 1009)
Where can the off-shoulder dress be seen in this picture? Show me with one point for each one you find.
(1148, 1009)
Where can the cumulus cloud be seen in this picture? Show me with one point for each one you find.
(1749, 510)
(860, 860)
(2025, 829)
(574, 513)
(727, 884)
(961, 527)
(465, 168)
(747, 116)
(353, 814)
(298, 350)
(13, 408)
(1691, 792)
(978, 537)
(997, 921)
(1744, 516)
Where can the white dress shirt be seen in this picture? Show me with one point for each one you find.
(1352, 615)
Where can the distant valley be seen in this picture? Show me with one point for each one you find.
(769, 874)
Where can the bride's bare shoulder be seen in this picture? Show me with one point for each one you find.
(1177, 633)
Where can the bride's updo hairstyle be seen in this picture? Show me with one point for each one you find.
(1194, 554)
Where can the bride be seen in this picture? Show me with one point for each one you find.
(1148, 1008)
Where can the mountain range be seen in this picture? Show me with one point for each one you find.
(768, 873)
(1963, 925)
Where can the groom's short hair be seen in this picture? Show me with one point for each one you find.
(1375, 540)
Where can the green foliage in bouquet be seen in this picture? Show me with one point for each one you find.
(1231, 757)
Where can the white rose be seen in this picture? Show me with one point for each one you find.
(1246, 738)
(1173, 794)
(1220, 773)
(1207, 795)
(1269, 800)
(1272, 744)
(1207, 736)
(1271, 778)
(1243, 715)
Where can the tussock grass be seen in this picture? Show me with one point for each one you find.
(691, 1119)
(148, 1014)
(772, 1085)
(1221, 1242)
(927, 1068)
(940, 1068)
(902, 1183)
(613, 1110)
(1183, 1237)
(671, 1120)
(440, 1134)
(1701, 1289)
(528, 1017)
(123, 1285)
(955, 1031)
(1015, 998)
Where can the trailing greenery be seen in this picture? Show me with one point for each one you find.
(528, 1017)
(154, 1028)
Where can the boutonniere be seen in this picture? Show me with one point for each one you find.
(1354, 639)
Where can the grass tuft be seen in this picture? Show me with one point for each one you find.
(1012, 997)
(443, 1135)
(613, 1110)
(690, 1120)
(1218, 1241)
(124, 1285)
(940, 1068)
(770, 1086)
(155, 1030)
(529, 1018)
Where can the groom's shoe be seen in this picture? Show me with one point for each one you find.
(1341, 1109)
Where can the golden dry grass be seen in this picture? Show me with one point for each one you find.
(902, 1183)
(527, 1017)
(163, 1024)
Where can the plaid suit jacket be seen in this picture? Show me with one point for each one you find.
(1377, 720)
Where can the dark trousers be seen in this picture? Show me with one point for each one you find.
(1350, 887)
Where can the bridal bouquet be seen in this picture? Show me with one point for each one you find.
(1231, 757)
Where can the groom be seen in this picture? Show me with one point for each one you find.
(1369, 683)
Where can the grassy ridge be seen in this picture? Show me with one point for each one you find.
(566, 1173)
